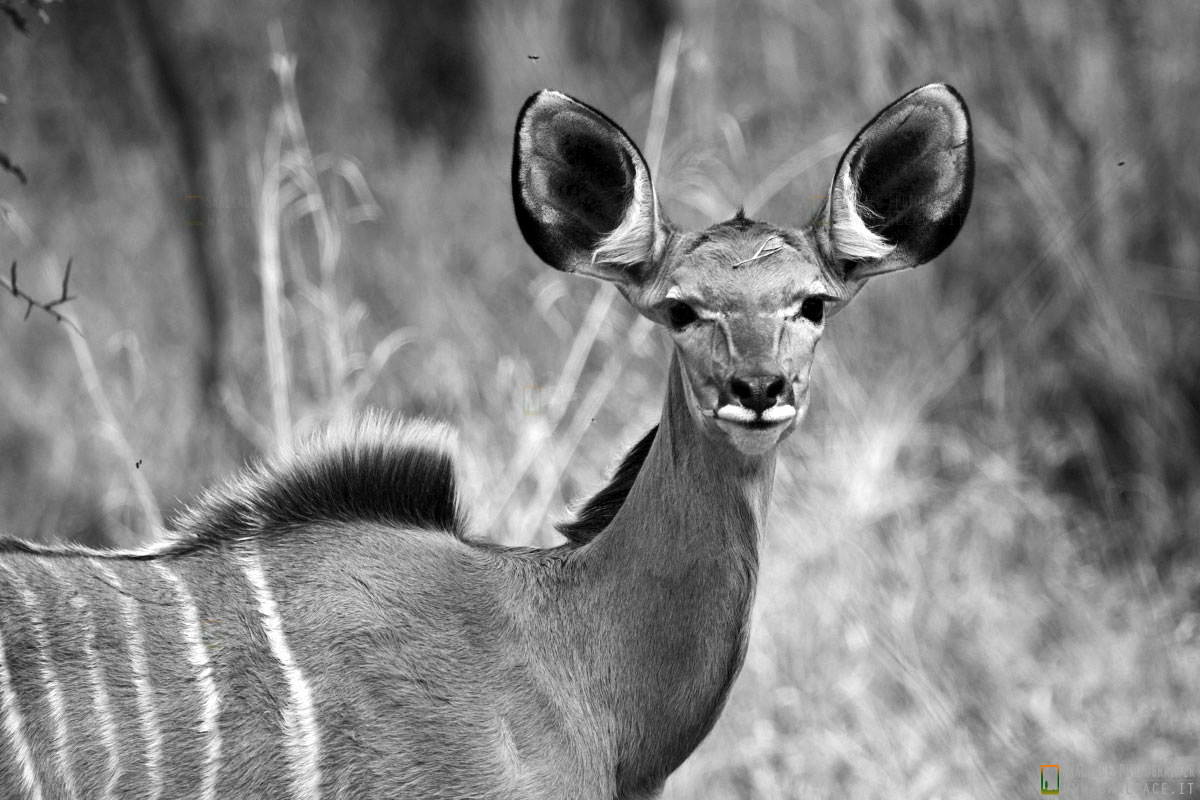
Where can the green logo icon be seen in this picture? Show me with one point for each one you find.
(193, 205)
(210, 634)
(533, 401)
(1050, 779)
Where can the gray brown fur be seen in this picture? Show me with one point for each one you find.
(358, 644)
(374, 609)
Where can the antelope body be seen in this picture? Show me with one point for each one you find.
(323, 627)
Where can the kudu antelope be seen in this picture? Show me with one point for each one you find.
(324, 628)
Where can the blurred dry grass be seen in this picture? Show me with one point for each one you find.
(983, 548)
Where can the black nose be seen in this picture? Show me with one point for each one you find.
(757, 392)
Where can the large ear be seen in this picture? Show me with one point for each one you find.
(582, 191)
(903, 187)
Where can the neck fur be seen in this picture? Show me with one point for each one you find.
(667, 588)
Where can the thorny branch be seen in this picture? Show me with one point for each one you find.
(8, 165)
(49, 306)
(16, 11)
(17, 15)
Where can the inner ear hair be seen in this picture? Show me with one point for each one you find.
(638, 238)
(851, 237)
(582, 191)
(903, 186)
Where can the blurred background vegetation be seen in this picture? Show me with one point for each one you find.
(983, 551)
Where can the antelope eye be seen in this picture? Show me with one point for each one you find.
(813, 310)
(680, 314)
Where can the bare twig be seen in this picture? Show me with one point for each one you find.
(91, 378)
(112, 431)
(761, 252)
(602, 300)
(49, 306)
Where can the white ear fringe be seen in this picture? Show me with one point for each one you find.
(629, 243)
(634, 241)
(849, 234)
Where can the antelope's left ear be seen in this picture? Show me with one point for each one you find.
(582, 192)
(903, 187)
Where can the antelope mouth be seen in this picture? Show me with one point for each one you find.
(748, 418)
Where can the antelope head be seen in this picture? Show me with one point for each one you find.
(744, 302)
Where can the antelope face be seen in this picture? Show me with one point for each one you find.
(745, 302)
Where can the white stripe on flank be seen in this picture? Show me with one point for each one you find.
(100, 699)
(299, 722)
(141, 681)
(210, 721)
(14, 725)
(54, 694)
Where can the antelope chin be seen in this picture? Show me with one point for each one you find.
(754, 433)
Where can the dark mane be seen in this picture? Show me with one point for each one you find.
(600, 509)
(740, 221)
(377, 468)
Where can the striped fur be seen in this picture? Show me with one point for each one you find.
(299, 726)
(245, 661)
(322, 627)
(14, 726)
(101, 703)
(55, 757)
(209, 724)
(146, 711)
(163, 713)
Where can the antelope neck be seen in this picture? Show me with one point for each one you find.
(694, 496)
(672, 581)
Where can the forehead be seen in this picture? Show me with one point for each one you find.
(743, 262)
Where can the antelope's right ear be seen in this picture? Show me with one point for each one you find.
(902, 189)
(582, 191)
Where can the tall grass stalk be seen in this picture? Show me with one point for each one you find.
(271, 276)
(314, 325)
(594, 320)
(114, 434)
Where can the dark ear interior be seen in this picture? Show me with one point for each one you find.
(580, 186)
(905, 179)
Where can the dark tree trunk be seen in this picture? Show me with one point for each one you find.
(186, 123)
(429, 67)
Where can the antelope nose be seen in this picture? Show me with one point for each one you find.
(757, 392)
